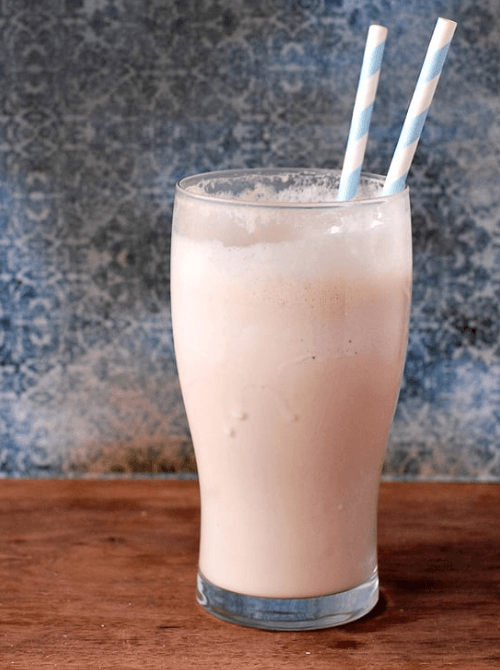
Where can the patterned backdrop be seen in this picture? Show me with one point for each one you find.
(104, 104)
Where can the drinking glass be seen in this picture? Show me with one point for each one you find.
(290, 319)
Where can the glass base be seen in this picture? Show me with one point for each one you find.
(335, 609)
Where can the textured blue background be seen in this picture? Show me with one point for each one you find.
(104, 104)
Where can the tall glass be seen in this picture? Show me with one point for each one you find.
(290, 316)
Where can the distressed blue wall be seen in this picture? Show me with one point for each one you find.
(104, 104)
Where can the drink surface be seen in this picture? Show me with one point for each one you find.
(290, 347)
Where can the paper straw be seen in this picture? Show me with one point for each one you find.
(419, 106)
(362, 112)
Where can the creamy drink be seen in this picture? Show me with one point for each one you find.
(290, 326)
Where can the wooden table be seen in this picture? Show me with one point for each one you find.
(100, 574)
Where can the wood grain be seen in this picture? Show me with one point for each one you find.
(100, 574)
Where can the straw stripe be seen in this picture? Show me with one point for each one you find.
(361, 124)
(373, 64)
(435, 64)
(350, 184)
(413, 129)
(362, 112)
(396, 186)
(419, 106)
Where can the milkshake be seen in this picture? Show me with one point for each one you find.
(290, 315)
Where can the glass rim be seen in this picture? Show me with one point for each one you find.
(181, 187)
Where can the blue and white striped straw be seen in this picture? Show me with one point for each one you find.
(362, 112)
(419, 106)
